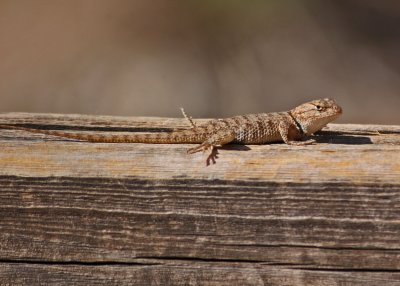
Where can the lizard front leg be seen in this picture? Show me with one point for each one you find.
(218, 139)
(290, 134)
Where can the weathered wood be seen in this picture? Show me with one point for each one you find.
(326, 214)
(187, 273)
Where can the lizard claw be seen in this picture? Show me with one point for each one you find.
(212, 156)
(202, 147)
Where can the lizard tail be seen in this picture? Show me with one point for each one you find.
(184, 136)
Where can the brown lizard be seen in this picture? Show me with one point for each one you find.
(288, 126)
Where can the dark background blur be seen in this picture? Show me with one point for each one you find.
(214, 57)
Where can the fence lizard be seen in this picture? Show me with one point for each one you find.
(288, 126)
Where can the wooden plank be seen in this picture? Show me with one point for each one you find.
(331, 160)
(186, 273)
(312, 214)
(117, 219)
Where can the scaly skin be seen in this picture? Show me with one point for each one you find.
(289, 127)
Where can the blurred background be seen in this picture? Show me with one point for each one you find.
(214, 58)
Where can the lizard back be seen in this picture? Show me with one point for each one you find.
(254, 128)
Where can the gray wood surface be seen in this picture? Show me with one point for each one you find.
(76, 213)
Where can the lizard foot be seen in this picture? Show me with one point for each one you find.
(212, 156)
(202, 147)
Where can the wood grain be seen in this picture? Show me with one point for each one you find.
(142, 214)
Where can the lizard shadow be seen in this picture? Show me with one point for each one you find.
(235, 146)
(330, 137)
(334, 137)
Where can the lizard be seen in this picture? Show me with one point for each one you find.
(287, 126)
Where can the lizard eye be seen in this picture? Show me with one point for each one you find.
(319, 107)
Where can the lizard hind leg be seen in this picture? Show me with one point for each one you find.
(216, 140)
(212, 156)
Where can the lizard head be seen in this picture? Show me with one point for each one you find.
(314, 115)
